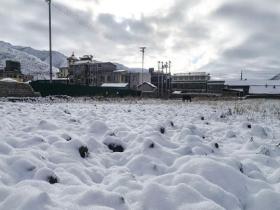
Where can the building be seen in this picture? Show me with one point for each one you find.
(162, 81)
(132, 77)
(63, 72)
(137, 78)
(253, 87)
(13, 71)
(147, 89)
(193, 82)
(85, 71)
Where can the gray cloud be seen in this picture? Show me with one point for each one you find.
(255, 22)
(258, 22)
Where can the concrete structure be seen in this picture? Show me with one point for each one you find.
(131, 77)
(88, 72)
(162, 81)
(193, 82)
(15, 89)
(253, 87)
(147, 89)
(63, 72)
(13, 71)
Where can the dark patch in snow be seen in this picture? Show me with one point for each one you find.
(115, 147)
(162, 130)
(83, 150)
(202, 118)
(216, 145)
(122, 199)
(152, 145)
(241, 169)
(67, 112)
(32, 168)
(223, 116)
(249, 126)
(112, 134)
(171, 123)
(52, 179)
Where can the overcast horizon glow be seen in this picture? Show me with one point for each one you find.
(220, 37)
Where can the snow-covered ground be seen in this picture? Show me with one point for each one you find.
(177, 156)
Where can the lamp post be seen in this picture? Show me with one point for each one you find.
(142, 50)
(50, 38)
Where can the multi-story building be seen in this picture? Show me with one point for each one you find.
(190, 82)
(162, 81)
(88, 72)
(133, 78)
(63, 72)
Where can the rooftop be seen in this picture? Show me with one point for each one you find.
(192, 74)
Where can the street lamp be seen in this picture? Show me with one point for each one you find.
(50, 37)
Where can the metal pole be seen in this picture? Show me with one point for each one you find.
(142, 49)
(50, 37)
(162, 74)
(170, 78)
(158, 78)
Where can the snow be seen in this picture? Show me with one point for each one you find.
(200, 155)
(8, 80)
(269, 89)
(34, 62)
(118, 85)
(258, 82)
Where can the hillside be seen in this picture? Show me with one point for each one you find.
(34, 62)
(277, 77)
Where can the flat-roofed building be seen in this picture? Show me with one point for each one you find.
(190, 82)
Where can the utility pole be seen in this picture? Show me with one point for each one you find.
(158, 74)
(170, 78)
(142, 50)
(241, 75)
(50, 37)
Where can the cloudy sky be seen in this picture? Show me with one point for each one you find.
(217, 36)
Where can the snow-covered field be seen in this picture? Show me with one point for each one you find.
(177, 156)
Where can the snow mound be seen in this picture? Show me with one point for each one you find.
(141, 155)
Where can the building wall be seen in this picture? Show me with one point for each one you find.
(135, 79)
(63, 72)
(92, 74)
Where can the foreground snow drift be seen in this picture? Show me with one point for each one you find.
(145, 155)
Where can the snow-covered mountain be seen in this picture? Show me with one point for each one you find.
(34, 62)
(276, 77)
(135, 70)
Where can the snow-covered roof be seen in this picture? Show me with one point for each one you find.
(251, 82)
(177, 92)
(276, 77)
(8, 80)
(270, 89)
(120, 70)
(148, 83)
(117, 85)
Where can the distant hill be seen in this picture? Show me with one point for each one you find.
(277, 77)
(123, 67)
(34, 62)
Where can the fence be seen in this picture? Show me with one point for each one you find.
(47, 89)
